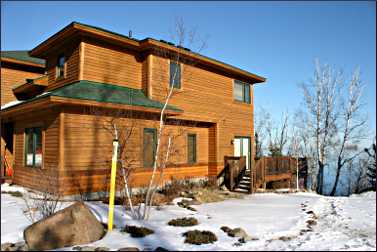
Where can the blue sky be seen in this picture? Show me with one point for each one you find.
(278, 40)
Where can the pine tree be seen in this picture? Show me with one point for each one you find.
(371, 172)
(258, 147)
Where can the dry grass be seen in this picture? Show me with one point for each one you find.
(208, 195)
(199, 237)
(137, 232)
(183, 222)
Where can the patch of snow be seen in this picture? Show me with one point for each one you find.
(342, 223)
(11, 104)
(14, 103)
(12, 188)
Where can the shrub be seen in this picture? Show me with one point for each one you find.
(183, 222)
(176, 186)
(199, 237)
(137, 231)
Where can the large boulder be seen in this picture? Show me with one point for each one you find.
(71, 226)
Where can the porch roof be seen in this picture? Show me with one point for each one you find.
(102, 93)
(22, 56)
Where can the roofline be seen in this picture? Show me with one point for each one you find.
(110, 105)
(22, 62)
(138, 45)
(25, 106)
(56, 100)
(36, 81)
(150, 43)
(73, 27)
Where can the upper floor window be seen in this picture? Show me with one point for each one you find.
(33, 147)
(175, 74)
(241, 91)
(60, 66)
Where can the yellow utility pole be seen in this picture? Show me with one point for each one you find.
(112, 185)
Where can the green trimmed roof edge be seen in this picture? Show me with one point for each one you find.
(22, 55)
(103, 92)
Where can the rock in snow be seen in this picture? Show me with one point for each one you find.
(73, 225)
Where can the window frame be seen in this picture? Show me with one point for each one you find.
(246, 91)
(195, 152)
(171, 62)
(34, 146)
(58, 67)
(154, 131)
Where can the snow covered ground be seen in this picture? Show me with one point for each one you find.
(279, 221)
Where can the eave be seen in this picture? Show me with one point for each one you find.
(49, 101)
(146, 45)
(108, 105)
(20, 62)
(31, 88)
(149, 44)
(75, 28)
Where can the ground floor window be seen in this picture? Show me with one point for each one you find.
(149, 146)
(191, 148)
(33, 147)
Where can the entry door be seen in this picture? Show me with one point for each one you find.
(242, 148)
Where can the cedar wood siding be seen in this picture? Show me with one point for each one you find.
(110, 64)
(88, 169)
(84, 148)
(72, 62)
(204, 96)
(11, 77)
(207, 96)
(37, 178)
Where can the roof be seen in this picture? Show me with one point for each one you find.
(22, 56)
(139, 45)
(104, 93)
(30, 88)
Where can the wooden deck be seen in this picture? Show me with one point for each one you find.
(270, 169)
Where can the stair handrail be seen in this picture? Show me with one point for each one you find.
(235, 172)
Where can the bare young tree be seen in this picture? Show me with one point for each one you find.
(45, 202)
(184, 38)
(320, 99)
(123, 130)
(278, 135)
(262, 121)
(121, 125)
(295, 149)
(350, 127)
(303, 137)
(334, 117)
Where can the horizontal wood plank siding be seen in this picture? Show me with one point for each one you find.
(109, 64)
(10, 78)
(37, 178)
(88, 148)
(72, 66)
(206, 96)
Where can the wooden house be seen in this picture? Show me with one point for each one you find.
(16, 68)
(55, 134)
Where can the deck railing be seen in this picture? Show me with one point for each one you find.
(273, 168)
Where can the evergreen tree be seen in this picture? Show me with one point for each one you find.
(371, 172)
(258, 147)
